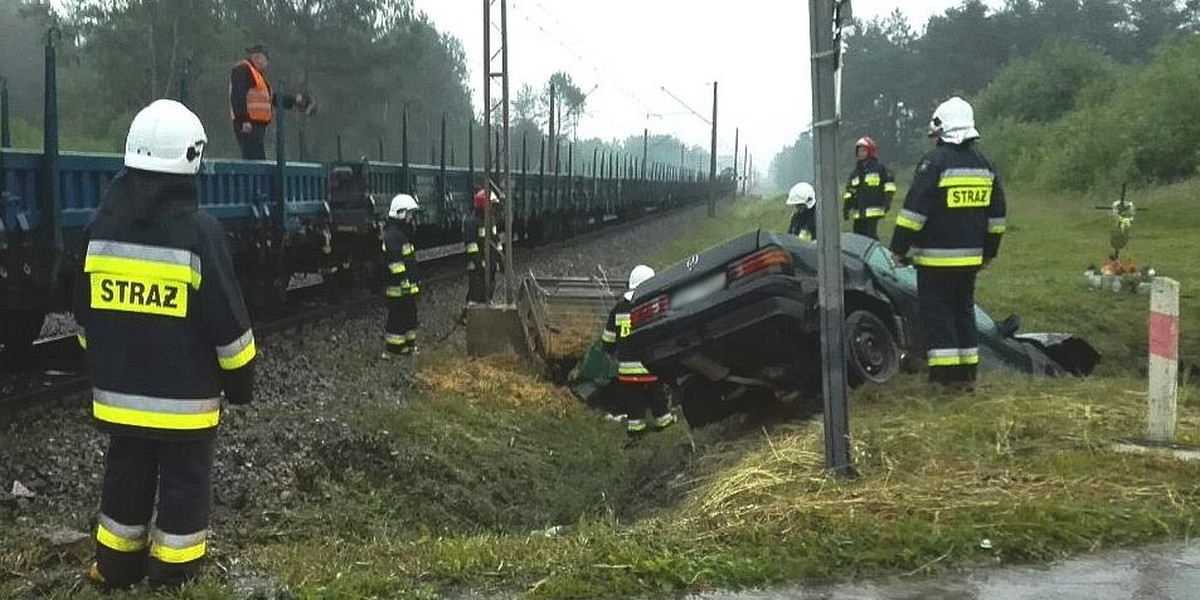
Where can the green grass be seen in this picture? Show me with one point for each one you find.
(492, 481)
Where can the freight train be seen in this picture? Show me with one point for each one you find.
(291, 218)
(285, 218)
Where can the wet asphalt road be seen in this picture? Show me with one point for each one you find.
(1162, 572)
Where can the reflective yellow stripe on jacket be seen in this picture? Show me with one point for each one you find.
(632, 367)
(157, 413)
(947, 257)
(143, 260)
(140, 278)
(911, 220)
(237, 353)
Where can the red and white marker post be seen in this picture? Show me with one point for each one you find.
(1164, 359)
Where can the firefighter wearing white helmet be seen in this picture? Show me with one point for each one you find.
(637, 388)
(168, 339)
(950, 228)
(803, 198)
(400, 330)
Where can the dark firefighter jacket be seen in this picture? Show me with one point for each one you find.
(160, 312)
(869, 191)
(618, 327)
(401, 259)
(804, 224)
(473, 241)
(954, 213)
(250, 96)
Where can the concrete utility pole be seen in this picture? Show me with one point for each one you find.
(824, 58)
(550, 132)
(405, 186)
(645, 149)
(712, 159)
(736, 133)
(5, 131)
(745, 171)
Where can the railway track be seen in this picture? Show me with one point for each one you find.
(54, 370)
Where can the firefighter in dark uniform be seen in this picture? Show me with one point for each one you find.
(803, 199)
(167, 334)
(474, 244)
(480, 258)
(950, 227)
(637, 388)
(870, 189)
(251, 102)
(400, 331)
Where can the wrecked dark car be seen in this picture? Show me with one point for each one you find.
(738, 324)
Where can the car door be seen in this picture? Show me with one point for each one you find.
(900, 286)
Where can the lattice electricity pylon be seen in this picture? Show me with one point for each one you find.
(497, 175)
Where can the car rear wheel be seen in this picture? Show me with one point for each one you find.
(872, 353)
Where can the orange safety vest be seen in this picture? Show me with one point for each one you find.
(258, 98)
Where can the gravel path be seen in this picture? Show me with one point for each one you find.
(270, 453)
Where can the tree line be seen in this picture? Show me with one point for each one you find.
(366, 62)
(894, 75)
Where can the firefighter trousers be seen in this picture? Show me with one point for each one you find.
(476, 286)
(947, 306)
(137, 469)
(637, 398)
(867, 226)
(400, 331)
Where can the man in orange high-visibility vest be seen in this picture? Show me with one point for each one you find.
(251, 102)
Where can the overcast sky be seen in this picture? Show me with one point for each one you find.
(630, 49)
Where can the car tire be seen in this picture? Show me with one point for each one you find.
(872, 354)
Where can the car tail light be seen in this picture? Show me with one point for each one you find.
(650, 311)
(770, 260)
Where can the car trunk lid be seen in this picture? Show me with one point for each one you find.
(698, 266)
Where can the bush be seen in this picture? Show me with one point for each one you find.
(1142, 129)
(1048, 84)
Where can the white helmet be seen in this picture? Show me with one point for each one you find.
(639, 275)
(953, 122)
(401, 204)
(165, 137)
(802, 194)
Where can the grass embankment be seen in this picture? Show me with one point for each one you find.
(464, 486)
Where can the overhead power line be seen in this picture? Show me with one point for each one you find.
(684, 104)
(524, 15)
